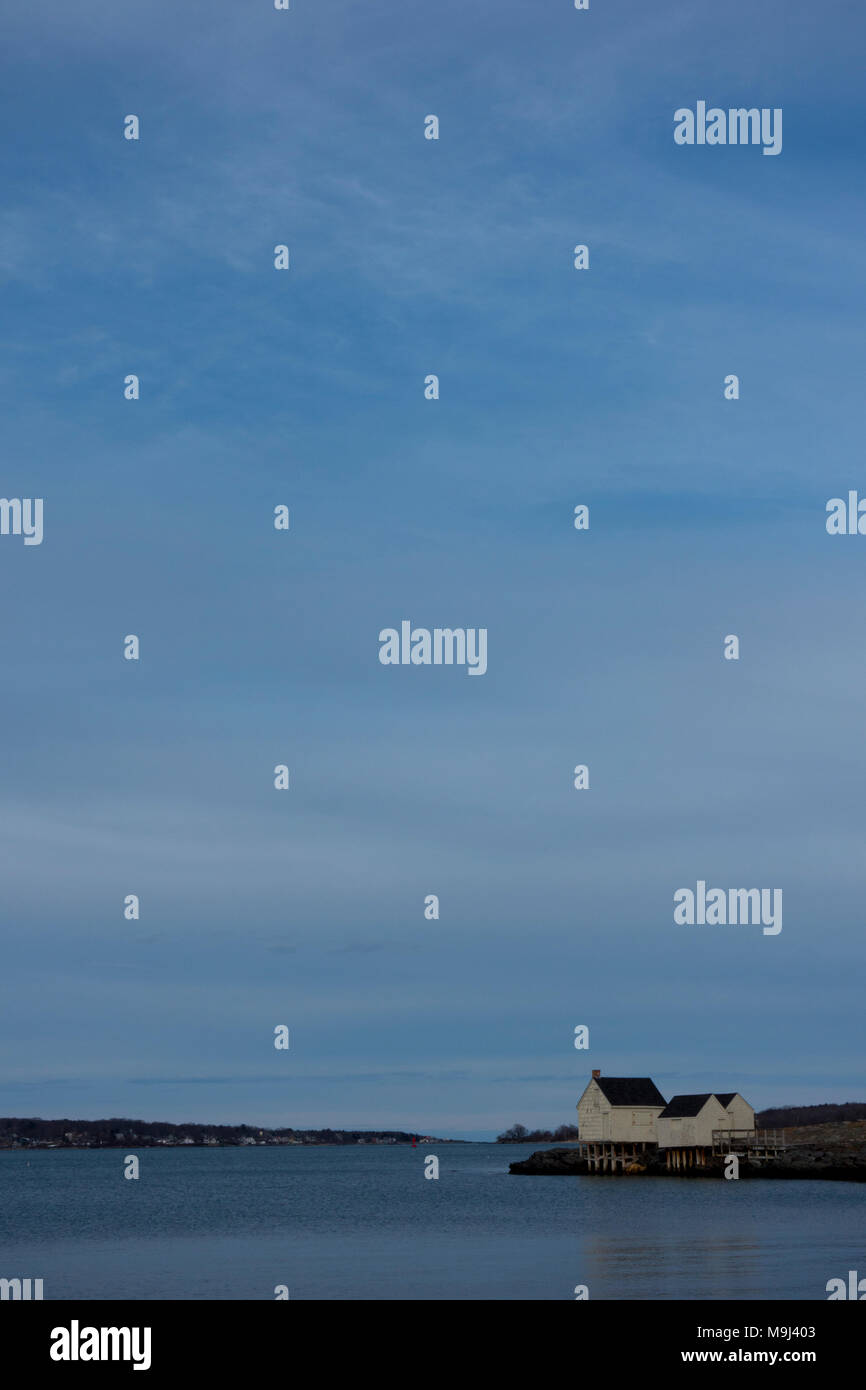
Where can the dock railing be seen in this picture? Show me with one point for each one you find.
(768, 1141)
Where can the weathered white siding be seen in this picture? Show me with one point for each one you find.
(593, 1114)
(676, 1133)
(636, 1123)
(693, 1130)
(597, 1119)
(740, 1114)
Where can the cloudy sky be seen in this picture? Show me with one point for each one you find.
(306, 387)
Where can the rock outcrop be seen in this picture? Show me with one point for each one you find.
(833, 1151)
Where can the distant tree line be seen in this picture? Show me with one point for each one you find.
(789, 1116)
(112, 1132)
(519, 1134)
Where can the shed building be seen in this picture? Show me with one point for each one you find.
(739, 1112)
(619, 1109)
(688, 1122)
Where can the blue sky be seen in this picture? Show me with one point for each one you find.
(411, 257)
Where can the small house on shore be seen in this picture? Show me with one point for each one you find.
(740, 1113)
(687, 1122)
(619, 1109)
(622, 1119)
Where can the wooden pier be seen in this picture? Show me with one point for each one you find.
(609, 1156)
(751, 1143)
(688, 1156)
(631, 1156)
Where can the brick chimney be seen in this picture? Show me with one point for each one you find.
(596, 1075)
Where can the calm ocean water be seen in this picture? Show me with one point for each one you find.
(345, 1223)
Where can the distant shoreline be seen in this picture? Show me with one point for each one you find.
(259, 1144)
(19, 1134)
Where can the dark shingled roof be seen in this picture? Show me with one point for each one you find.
(629, 1090)
(681, 1106)
(725, 1097)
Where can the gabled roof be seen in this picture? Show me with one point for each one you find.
(629, 1090)
(682, 1106)
(726, 1097)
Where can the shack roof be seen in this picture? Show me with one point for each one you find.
(679, 1107)
(629, 1090)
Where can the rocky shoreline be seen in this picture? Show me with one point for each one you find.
(835, 1152)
